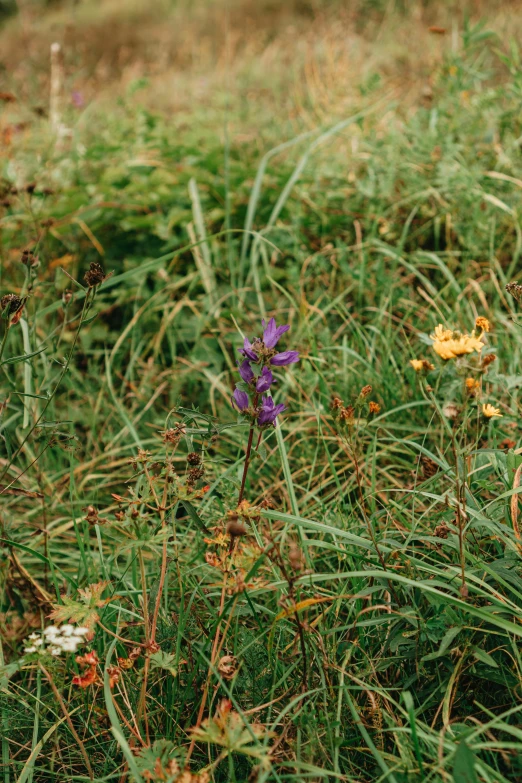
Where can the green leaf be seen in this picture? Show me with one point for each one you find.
(164, 660)
(22, 358)
(464, 765)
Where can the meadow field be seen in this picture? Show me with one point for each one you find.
(261, 361)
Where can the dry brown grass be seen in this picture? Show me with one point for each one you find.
(300, 60)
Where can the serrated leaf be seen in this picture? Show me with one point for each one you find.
(165, 661)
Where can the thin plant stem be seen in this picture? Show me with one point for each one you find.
(68, 719)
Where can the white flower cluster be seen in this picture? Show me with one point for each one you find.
(56, 641)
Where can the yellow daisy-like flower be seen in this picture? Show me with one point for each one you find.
(458, 346)
(441, 334)
(489, 411)
(483, 323)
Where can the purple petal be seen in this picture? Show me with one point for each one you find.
(241, 399)
(248, 351)
(265, 380)
(246, 372)
(286, 357)
(272, 333)
(268, 415)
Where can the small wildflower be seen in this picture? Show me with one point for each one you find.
(374, 407)
(240, 398)
(472, 386)
(483, 324)
(422, 365)
(269, 412)
(490, 412)
(366, 390)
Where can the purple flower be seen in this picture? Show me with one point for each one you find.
(248, 351)
(269, 412)
(286, 357)
(240, 398)
(246, 372)
(272, 333)
(77, 99)
(265, 380)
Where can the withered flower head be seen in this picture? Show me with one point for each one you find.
(347, 414)
(95, 275)
(174, 434)
(235, 529)
(194, 458)
(10, 304)
(227, 667)
(366, 390)
(195, 474)
(337, 402)
(488, 359)
(515, 290)
(483, 323)
(442, 530)
(429, 467)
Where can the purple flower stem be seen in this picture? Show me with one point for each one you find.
(248, 453)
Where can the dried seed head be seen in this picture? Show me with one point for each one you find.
(337, 403)
(235, 529)
(95, 275)
(10, 304)
(429, 467)
(30, 188)
(195, 474)
(515, 290)
(450, 410)
(347, 414)
(295, 557)
(488, 359)
(442, 530)
(227, 667)
(174, 434)
(194, 458)
(365, 391)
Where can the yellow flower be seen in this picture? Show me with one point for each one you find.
(441, 334)
(490, 412)
(458, 346)
(420, 365)
(472, 385)
(483, 323)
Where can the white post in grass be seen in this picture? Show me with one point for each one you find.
(56, 95)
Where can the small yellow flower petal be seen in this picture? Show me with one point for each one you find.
(489, 411)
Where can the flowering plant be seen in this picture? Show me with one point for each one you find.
(251, 397)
